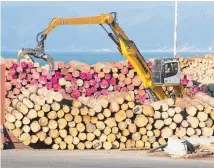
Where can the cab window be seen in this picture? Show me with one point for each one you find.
(170, 69)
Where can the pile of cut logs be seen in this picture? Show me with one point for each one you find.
(199, 68)
(77, 79)
(39, 116)
(80, 79)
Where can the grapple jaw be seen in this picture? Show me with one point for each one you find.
(28, 53)
(37, 52)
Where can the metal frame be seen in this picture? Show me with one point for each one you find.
(6, 137)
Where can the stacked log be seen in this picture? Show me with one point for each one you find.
(80, 79)
(38, 115)
(198, 68)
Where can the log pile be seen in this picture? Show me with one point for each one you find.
(76, 79)
(37, 115)
(199, 68)
(80, 79)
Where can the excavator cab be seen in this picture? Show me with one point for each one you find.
(166, 71)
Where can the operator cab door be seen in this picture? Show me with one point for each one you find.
(166, 71)
(171, 71)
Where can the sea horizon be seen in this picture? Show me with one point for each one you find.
(91, 57)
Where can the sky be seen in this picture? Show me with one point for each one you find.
(149, 24)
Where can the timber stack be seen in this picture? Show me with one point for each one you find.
(199, 68)
(39, 116)
(80, 79)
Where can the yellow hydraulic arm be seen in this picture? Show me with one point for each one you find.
(126, 46)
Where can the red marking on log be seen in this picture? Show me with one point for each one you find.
(130, 87)
(82, 89)
(129, 65)
(92, 82)
(34, 82)
(22, 75)
(195, 89)
(58, 75)
(54, 80)
(97, 85)
(49, 77)
(88, 76)
(105, 92)
(142, 98)
(74, 80)
(33, 70)
(74, 86)
(68, 90)
(23, 64)
(57, 87)
(30, 64)
(104, 84)
(49, 85)
(68, 77)
(15, 65)
(112, 81)
(117, 88)
(184, 81)
(86, 84)
(43, 80)
(75, 94)
(107, 76)
(83, 75)
(124, 89)
(27, 70)
(12, 71)
(94, 89)
(24, 82)
(88, 92)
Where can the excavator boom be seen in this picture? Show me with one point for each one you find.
(126, 47)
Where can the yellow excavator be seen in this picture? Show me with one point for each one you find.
(165, 72)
